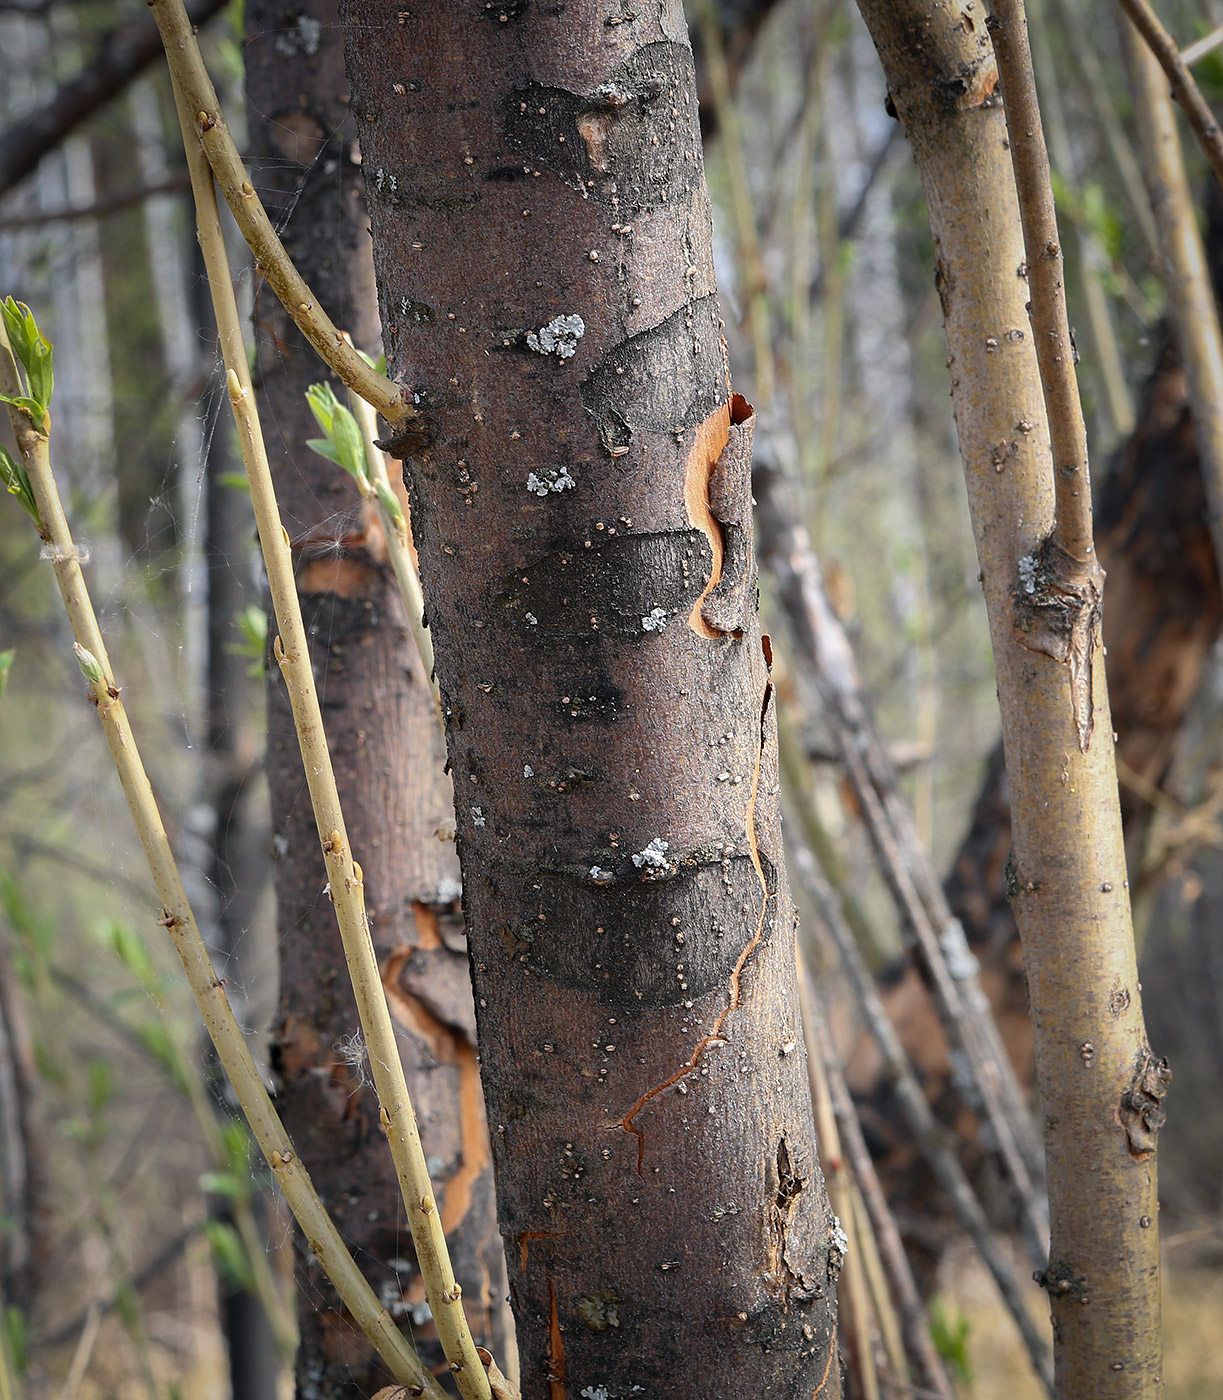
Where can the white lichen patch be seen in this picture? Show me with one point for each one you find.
(532, 620)
(559, 337)
(961, 962)
(555, 479)
(528, 771)
(302, 37)
(448, 888)
(654, 857)
(599, 875)
(656, 621)
(1027, 573)
(594, 1392)
(477, 816)
(839, 1239)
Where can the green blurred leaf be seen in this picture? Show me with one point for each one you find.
(157, 1039)
(229, 1255)
(236, 481)
(100, 1086)
(6, 665)
(232, 1185)
(133, 952)
(16, 1339)
(127, 1304)
(950, 1337)
(252, 623)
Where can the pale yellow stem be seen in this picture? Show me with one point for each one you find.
(210, 128)
(178, 920)
(345, 884)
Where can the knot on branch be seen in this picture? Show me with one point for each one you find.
(1141, 1112)
(1055, 610)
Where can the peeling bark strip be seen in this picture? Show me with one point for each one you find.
(580, 498)
(388, 758)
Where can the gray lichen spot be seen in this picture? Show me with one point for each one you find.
(555, 479)
(301, 37)
(838, 1247)
(477, 816)
(559, 337)
(961, 962)
(601, 876)
(1027, 572)
(654, 857)
(656, 621)
(528, 771)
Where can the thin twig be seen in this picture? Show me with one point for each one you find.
(1072, 528)
(1184, 85)
(345, 884)
(756, 291)
(917, 1112)
(852, 1291)
(179, 921)
(927, 921)
(210, 128)
(1191, 300)
(121, 56)
(99, 209)
(1197, 51)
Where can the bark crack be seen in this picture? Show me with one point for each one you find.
(734, 984)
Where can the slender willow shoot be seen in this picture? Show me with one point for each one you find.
(209, 126)
(29, 419)
(1101, 1086)
(1072, 528)
(345, 887)
(1184, 86)
(1191, 300)
(917, 1112)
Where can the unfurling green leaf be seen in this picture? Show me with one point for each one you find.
(17, 483)
(33, 351)
(91, 667)
(344, 444)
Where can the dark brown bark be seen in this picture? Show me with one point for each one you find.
(122, 55)
(579, 476)
(387, 749)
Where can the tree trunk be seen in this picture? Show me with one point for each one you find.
(1100, 1085)
(1161, 624)
(387, 747)
(578, 472)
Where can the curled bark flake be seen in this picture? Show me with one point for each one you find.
(1141, 1112)
(725, 606)
(1058, 615)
